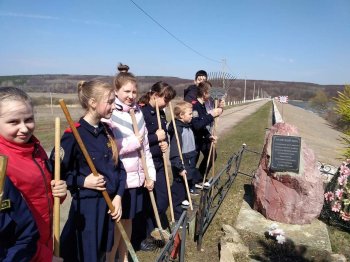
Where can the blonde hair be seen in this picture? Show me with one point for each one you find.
(180, 108)
(95, 89)
(14, 93)
(92, 89)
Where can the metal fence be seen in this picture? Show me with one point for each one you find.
(179, 232)
(213, 195)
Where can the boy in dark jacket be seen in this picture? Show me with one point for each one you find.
(183, 115)
(190, 93)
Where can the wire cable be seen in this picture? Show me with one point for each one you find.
(173, 36)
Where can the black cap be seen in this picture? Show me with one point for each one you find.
(201, 73)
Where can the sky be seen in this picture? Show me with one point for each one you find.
(282, 40)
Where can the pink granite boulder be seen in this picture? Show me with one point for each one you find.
(288, 197)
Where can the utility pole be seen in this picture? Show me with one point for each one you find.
(245, 88)
(254, 91)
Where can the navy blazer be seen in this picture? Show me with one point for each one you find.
(18, 231)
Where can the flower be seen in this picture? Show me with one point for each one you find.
(339, 196)
(281, 239)
(342, 179)
(345, 216)
(339, 193)
(276, 233)
(344, 170)
(329, 196)
(336, 206)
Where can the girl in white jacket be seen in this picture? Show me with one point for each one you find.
(129, 144)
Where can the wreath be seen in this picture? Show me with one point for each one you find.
(336, 208)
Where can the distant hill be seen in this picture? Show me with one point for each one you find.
(68, 84)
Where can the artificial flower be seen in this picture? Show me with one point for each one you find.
(336, 206)
(345, 215)
(339, 193)
(329, 196)
(280, 239)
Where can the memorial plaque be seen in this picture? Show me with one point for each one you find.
(285, 153)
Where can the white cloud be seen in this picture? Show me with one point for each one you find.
(34, 16)
(46, 17)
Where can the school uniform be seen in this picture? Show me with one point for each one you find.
(28, 170)
(190, 93)
(18, 231)
(189, 154)
(160, 187)
(202, 123)
(129, 146)
(88, 232)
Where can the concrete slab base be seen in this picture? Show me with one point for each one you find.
(314, 235)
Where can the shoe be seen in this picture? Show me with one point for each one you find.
(148, 245)
(194, 192)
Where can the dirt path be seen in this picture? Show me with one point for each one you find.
(317, 133)
(232, 116)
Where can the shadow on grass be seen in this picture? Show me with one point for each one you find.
(272, 251)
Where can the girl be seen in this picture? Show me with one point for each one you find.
(88, 232)
(158, 142)
(129, 144)
(27, 164)
(202, 123)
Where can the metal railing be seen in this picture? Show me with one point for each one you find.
(178, 231)
(213, 195)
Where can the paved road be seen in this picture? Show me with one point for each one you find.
(317, 133)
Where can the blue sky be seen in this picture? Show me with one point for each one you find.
(286, 40)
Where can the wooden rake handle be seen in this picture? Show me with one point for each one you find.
(165, 161)
(145, 169)
(180, 153)
(56, 209)
(94, 171)
(3, 166)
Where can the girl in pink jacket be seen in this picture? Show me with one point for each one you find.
(129, 145)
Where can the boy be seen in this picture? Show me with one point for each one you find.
(190, 93)
(183, 117)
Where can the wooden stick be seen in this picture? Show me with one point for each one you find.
(56, 210)
(207, 166)
(3, 166)
(145, 169)
(94, 171)
(165, 161)
(180, 153)
(214, 133)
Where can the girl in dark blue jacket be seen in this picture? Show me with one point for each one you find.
(158, 144)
